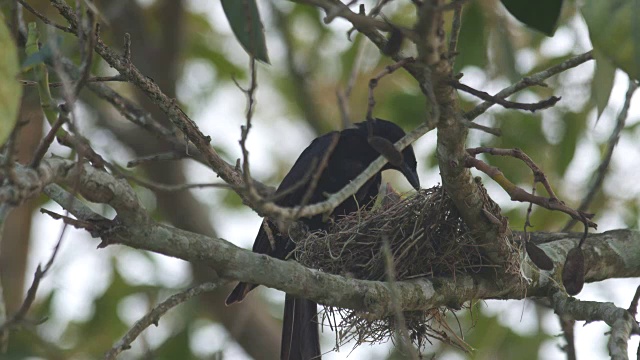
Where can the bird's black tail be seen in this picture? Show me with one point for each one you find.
(300, 338)
(239, 292)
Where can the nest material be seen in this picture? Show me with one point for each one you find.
(426, 236)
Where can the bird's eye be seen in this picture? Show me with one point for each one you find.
(385, 148)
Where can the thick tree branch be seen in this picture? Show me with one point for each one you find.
(607, 255)
(28, 182)
(622, 324)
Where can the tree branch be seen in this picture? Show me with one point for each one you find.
(622, 324)
(604, 258)
(153, 316)
(535, 79)
(603, 168)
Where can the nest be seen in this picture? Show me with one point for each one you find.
(426, 237)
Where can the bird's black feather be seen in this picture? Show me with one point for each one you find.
(348, 158)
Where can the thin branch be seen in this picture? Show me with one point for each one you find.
(343, 95)
(153, 316)
(165, 156)
(127, 48)
(116, 78)
(335, 9)
(298, 75)
(19, 318)
(543, 104)
(568, 331)
(405, 340)
(621, 322)
(250, 93)
(535, 79)
(518, 194)
(603, 168)
(145, 120)
(45, 19)
(456, 24)
(538, 174)
(154, 186)
(313, 183)
(92, 31)
(489, 130)
(46, 142)
(374, 82)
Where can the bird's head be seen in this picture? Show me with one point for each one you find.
(381, 135)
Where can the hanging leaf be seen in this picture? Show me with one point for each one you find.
(10, 88)
(244, 18)
(573, 271)
(541, 15)
(614, 30)
(539, 257)
(602, 81)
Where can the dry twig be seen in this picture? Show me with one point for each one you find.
(543, 104)
(603, 168)
(518, 194)
(535, 79)
(153, 316)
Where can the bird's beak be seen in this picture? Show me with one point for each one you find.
(411, 175)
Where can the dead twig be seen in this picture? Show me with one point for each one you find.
(538, 174)
(153, 316)
(518, 194)
(543, 104)
(456, 24)
(535, 79)
(48, 139)
(19, 318)
(45, 19)
(244, 130)
(374, 82)
(603, 168)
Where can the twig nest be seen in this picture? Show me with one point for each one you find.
(426, 236)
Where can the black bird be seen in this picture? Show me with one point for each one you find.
(349, 157)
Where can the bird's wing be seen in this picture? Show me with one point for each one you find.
(301, 169)
(268, 241)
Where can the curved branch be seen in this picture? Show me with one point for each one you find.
(622, 324)
(153, 316)
(607, 255)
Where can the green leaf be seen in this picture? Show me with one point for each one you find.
(245, 22)
(566, 148)
(504, 58)
(10, 88)
(541, 15)
(472, 42)
(614, 30)
(602, 81)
